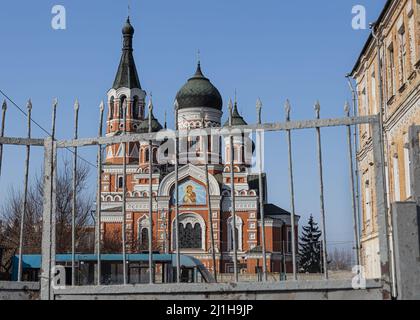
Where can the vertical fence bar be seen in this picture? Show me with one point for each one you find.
(292, 191)
(356, 166)
(73, 209)
(321, 196)
(3, 121)
(261, 191)
(53, 234)
(206, 169)
(178, 256)
(98, 195)
(151, 269)
(381, 207)
(232, 195)
(46, 267)
(352, 189)
(25, 193)
(124, 223)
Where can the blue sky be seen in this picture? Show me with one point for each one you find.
(269, 49)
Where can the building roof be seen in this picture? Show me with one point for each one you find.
(144, 125)
(370, 38)
(237, 119)
(199, 92)
(273, 210)
(127, 76)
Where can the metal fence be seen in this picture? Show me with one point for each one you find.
(51, 145)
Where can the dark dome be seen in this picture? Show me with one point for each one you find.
(128, 28)
(144, 125)
(199, 92)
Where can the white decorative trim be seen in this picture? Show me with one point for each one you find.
(129, 93)
(188, 170)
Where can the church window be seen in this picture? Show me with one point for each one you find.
(121, 111)
(111, 108)
(190, 236)
(136, 111)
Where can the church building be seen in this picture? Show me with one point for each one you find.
(199, 104)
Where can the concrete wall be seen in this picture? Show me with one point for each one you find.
(406, 224)
(303, 290)
(10, 290)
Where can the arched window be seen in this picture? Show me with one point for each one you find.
(121, 111)
(143, 233)
(155, 155)
(238, 233)
(136, 110)
(111, 108)
(189, 236)
(144, 239)
(146, 158)
(192, 230)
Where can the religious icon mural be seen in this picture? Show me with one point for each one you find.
(191, 193)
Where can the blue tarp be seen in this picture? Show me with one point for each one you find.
(33, 261)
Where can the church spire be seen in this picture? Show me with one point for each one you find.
(127, 76)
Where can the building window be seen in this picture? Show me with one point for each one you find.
(238, 233)
(397, 196)
(147, 155)
(120, 182)
(144, 238)
(111, 108)
(365, 102)
(402, 54)
(136, 111)
(289, 241)
(368, 202)
(391, 71)
(192, 230)
(373, 91)
(121, 111)
(143, 232)
(407, 167)
(190, 236)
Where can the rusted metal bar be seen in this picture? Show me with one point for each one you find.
(232, 197)
(98, 195)
(352, 190)
(210, 212)
(321, 195)
(224, 131)
(178, 255)
(124, 214)
(3, 122)
(151, 267)
(25, 193)
(261, 191)
(292, 191)
(74, 197)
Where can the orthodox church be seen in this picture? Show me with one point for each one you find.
(199, 104)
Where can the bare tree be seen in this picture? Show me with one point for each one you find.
(11, 210)
(340, 259)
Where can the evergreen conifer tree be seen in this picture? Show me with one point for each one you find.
(310, 248)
